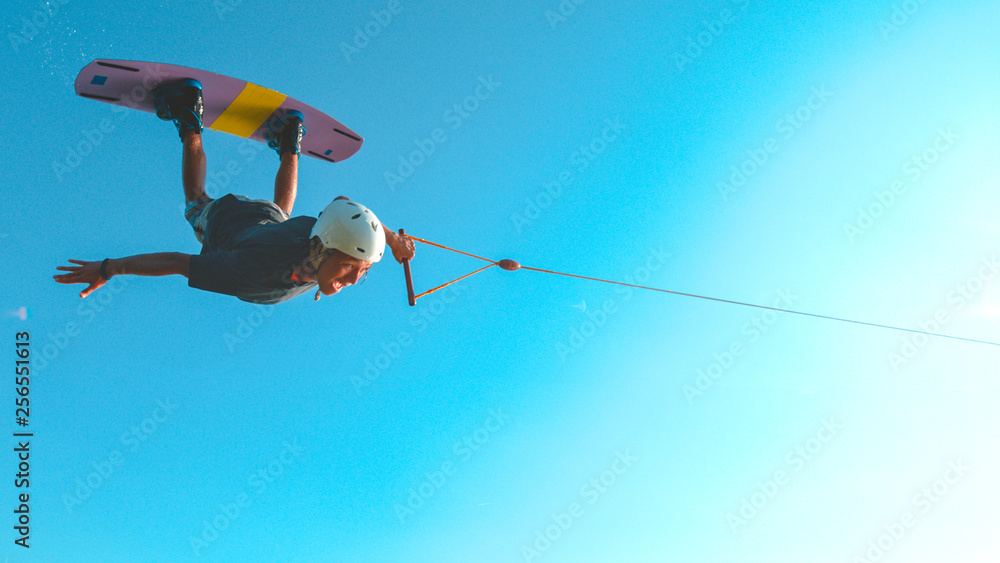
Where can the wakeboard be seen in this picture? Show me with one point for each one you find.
(231, 105)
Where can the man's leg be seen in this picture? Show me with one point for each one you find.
(181, 102)
(286, 182)
(284, 135)
(193, 167)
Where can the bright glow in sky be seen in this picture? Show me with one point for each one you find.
(831, 159)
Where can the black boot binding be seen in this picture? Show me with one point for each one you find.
(181, 103)
(284, 134)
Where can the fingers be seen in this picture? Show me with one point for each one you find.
(65, 277)
(402, 256)
(74, 269)
(90, 289)
(76, 274)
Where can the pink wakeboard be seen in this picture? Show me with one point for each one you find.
(231, 105)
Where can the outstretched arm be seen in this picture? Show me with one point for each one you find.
(158, 264)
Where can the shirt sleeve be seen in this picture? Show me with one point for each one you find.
(216, 271)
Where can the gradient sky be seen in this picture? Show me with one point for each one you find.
(522, 416)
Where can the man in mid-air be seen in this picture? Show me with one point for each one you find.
(253, 249)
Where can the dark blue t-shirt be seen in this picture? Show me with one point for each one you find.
(251, 249)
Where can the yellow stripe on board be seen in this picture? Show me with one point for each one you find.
(248, 111)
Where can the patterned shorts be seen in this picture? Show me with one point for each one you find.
(196, 213)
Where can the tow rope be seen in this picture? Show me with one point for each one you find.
(511, 265)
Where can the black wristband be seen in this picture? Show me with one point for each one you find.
(104, 269)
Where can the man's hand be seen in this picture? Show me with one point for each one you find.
(86, 272)
(402, 246)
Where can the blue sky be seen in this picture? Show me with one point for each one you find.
(831, 159)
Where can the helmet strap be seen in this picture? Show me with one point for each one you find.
(317, 254)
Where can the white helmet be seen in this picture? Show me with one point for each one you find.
(352, 229)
